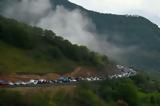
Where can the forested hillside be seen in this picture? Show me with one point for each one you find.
(128, 33)
(39, 68)
(32, 50)
(121, 36)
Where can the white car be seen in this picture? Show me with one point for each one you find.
(88, 79)
(11, 83)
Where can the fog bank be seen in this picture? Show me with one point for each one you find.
(72, 25)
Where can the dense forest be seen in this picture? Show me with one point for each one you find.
(25, 48)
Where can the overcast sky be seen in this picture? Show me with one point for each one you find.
(147, 8)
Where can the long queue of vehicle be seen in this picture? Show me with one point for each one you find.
(122, 72)
(61, 80)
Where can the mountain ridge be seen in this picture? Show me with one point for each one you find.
(128, 40)
(133, 31)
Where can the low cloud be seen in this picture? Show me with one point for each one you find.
(79, 29)
(72, 25)
(29, 11)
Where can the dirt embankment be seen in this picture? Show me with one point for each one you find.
(16, 77)
(83, 72)
(79, 71)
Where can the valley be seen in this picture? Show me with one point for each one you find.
(56, 53)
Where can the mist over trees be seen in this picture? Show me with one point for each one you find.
(45, 45)
(117, 36)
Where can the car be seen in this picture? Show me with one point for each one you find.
(4, 83)
(78, 79)
(11, 83)
(88, 79)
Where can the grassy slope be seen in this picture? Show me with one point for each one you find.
(144, 97)
(134, 32)
(27, 49)
(16, 60)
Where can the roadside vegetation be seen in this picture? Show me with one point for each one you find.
(134, 91)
